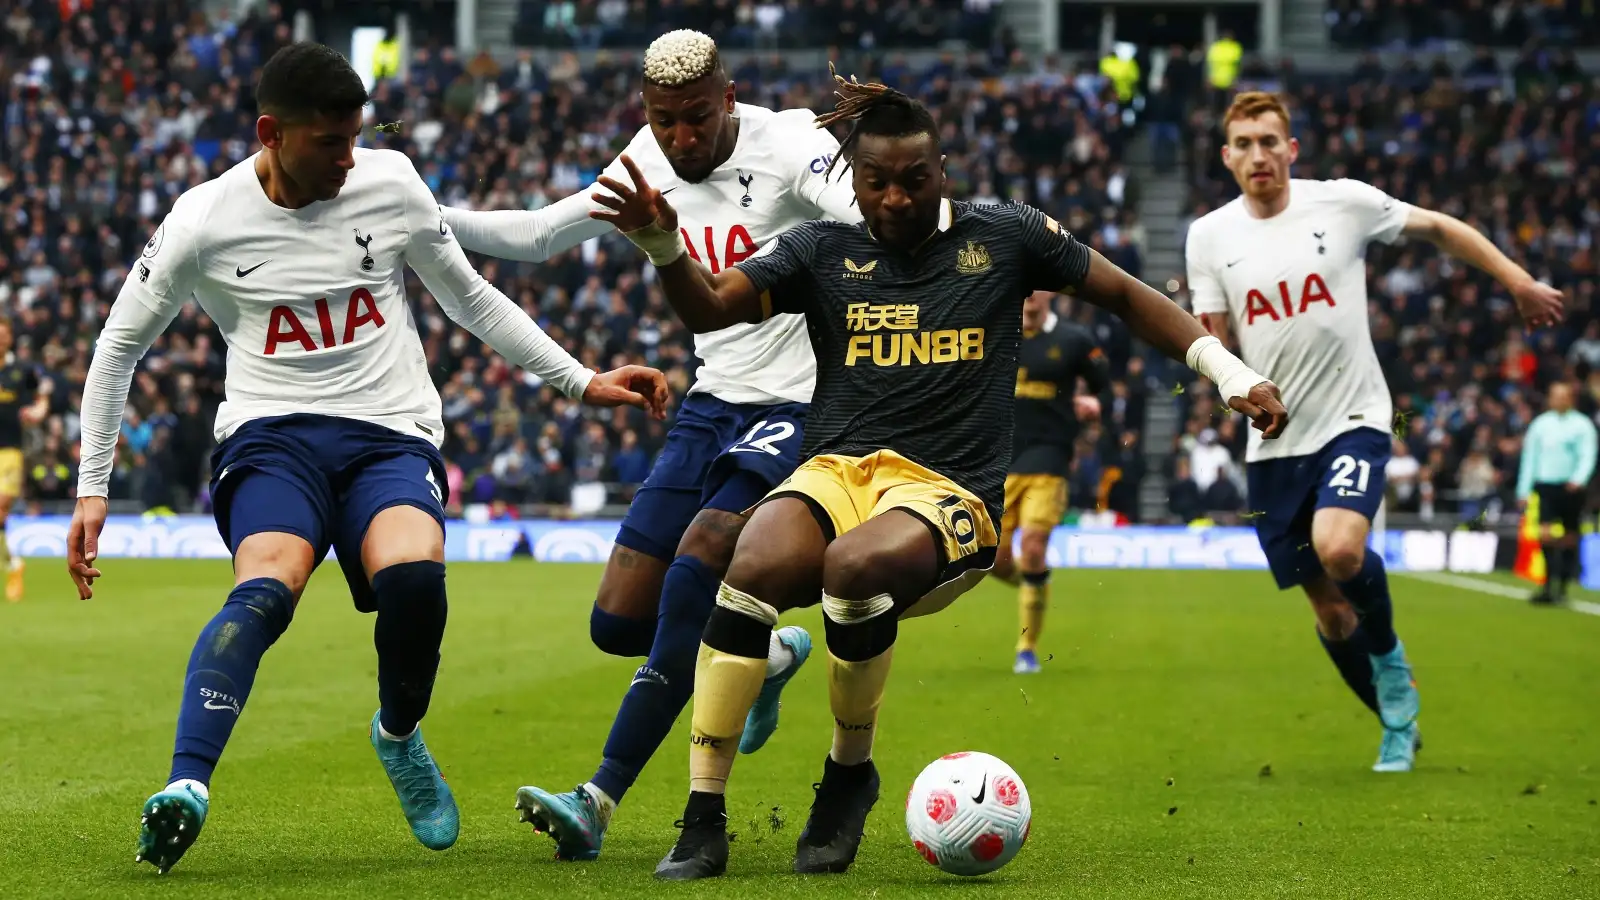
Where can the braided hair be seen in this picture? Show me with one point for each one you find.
(872, 108)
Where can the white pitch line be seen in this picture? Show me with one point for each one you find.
(1495, 588)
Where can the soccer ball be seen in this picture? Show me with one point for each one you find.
(968, 813)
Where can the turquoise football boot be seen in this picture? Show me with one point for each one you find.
(170, 823)
(1398, 752)
(573, 819)
(1398, 700)
(763, 718)
(425, 798)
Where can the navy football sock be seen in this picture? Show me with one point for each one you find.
(663, 685)
(1353, 658)
(221, 670)
(411, 614)
(620, 635)
(1368, 592)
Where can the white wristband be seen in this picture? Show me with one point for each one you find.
(1228, 372)
(662, 246)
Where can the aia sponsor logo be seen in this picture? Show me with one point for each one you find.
(735, 245)
(326, 329)
(1286, 305)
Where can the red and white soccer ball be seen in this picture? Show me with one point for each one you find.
(968, 813)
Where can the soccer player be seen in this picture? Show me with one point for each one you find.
(1558, 456)
(1052, 358)
(915, 319)
(24, 401)
(1283, 269)
(330, 431)
(739, 175)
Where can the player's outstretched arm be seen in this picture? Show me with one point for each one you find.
(1167, 327)
(157, 286)
(705, 302)
(482, 309)
(1539, 303)
(523, 235)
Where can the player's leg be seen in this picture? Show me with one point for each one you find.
(1039, 511)
(1351, 487)
(10, 490)
(272, 518)
(1005, 567)
(777, 565)
(1283, 496)
(660, 689)
(1571, 535)
(1559, 519)
(623, 620)
(870, 574)
(390, 545)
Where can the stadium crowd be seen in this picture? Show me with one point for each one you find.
(1514, 152)
(864, 24)
(113, 113)
(1423, 24)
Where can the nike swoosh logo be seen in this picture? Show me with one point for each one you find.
(243, 272)
(1236, 262)
(213, 704)
(669, 190)
(982, 790)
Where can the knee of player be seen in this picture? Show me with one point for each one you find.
(1341, 558)
(284, 558)
(856, 571)
(857, 630)
(409, 582)
(712, 538)
(1035, 546)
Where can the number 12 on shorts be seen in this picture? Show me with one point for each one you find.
(1343, 467)
(767, 442)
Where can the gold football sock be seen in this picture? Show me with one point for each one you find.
(1031, 602)
(724, 688)
(855, 690)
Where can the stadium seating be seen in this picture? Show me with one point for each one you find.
(109, 116)
(113, 137)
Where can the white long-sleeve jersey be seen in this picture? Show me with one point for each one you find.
(1294, 288)
(772, 182)
(312, 305)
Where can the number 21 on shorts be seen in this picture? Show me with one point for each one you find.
(1343, 468)
(764, 438)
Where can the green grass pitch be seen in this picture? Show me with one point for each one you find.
(1188, 739)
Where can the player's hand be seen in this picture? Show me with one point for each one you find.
(1087, 406)
(639, 386)
(1264, 408)
(1574, 488)
(1539, 303)
(83, 543)
(635, 206)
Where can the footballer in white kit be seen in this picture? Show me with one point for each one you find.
(739, 175)
(329, 436)
(1282, 269)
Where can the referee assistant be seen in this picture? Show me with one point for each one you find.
(1558, 456)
